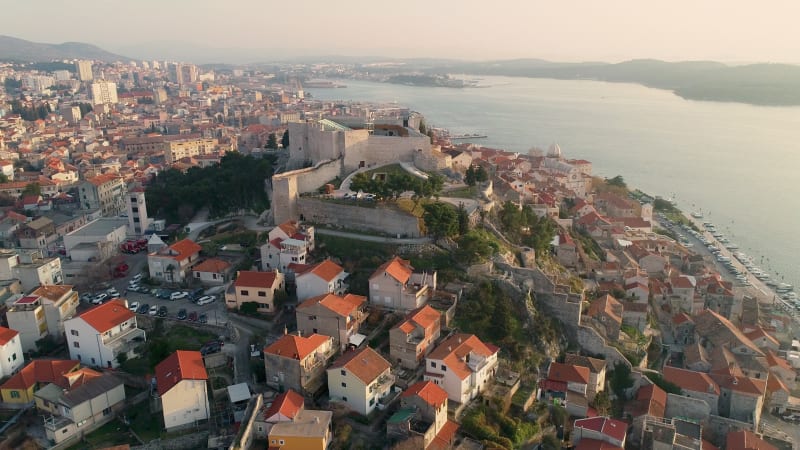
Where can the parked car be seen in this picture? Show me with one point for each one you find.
(192, 316)
(205, 300)
(86, 298)
(136, 278)
(202, 318)
(177, 295)
(181, 314)
(113, 293)
(134, 306)
(143, 289)
(211, 347)
(144, 308)
(99, 298)
(195, 294)
(133, 288)
(162, 311)
(153, 310)
(164, 294)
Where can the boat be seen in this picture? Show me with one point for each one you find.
(468, 136)
(697, 215)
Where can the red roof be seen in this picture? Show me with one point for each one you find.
(568, 373)
(615, 429)
(445, 438)
(212, 265)
(7, 334)
(595, 444)
(326, 270)
(398, 268)
(108, 315)
(184, 249)
(344, 306)
(690, 380)
(179, 366)
(297, 347)
(424, 317)
(41, 371)
(431, 393)
(288, 404)
(746, 440)
(455, 350)
(365, 364)
(247, 278)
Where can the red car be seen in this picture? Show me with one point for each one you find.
(193, 316)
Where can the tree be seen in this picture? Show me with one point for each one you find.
(602, 403)
(469, 176)
(481, 175)
(285, 139)
(122, 357)
(423, 128)
(32, 189)
(621, 379)
(550, 442)
(249, 308)
(617, 181)
(3, 178)
(272, 141)
(475, 246)
(441, 219)
(463, 219)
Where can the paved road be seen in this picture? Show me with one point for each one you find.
(379, 239)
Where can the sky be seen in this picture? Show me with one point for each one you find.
(560, 30)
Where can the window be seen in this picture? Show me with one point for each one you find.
(93, 362)
(73, 332)
(14, 357)
(372, 401)
(14, 394)
(260, 428)
(344, 399)
(213, 275)
(281, 442)
(344, 385)
(262, 294)
(344, 373)
(197, 274)
(107, 411)
(273, 441)
(244, 292)
(433, 364)
(76, 344)
(444, 368)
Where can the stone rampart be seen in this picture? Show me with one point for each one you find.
(287, 187)
(381, 219)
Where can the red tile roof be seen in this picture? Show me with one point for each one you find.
(445, 438)
(288, 404)
(102, 179)
(690, 380)
(741, 384)
(615, 429)
(297, 347)
(179, 366)
(595, 444)
(7, 334)
(212, 265)
(568, 373)
(108, 315)
(41, 371)
(425, 317)
(366, 364)
(398, 268)
(746, 440)
(248, 278)
(326, 270)
(344, 306)
(453, 352)
(184, 249)
(431, 393)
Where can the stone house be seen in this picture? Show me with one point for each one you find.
(395, 285)
(298, 363)
(597, 372)
(413, 339)
(332, 315)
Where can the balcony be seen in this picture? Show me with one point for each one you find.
(126, 341)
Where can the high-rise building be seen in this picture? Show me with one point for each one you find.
(104, 92)
(159, 95)
(137, 212)
(84, 69)
(176, 73)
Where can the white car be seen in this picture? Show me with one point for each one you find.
(136, 278)
(205, 300)
(153, 310)
(99, 298)
(178, 295)
(134, 306)
(113, 293)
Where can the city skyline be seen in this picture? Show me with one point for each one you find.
(569, 31)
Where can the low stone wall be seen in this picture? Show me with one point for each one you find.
(380, 219)
(591, 342)
(685, 407)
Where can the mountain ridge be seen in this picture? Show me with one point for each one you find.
(22, 50)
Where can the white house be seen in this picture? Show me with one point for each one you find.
(288, 243)
(395, 285)
(172, 263)
(98, 336)
(10, 352)
(462, 365)
(182, 384)
(326, 277)
(360, 379)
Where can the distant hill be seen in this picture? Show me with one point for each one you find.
(26, 51)
(758, 84)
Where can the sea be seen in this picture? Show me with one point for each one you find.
(737, 164)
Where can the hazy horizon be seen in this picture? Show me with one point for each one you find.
(727, 31)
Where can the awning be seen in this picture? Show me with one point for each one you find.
(356, 339)
(239, 392)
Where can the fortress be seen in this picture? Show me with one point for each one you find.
(333, 149)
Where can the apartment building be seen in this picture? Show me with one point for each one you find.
(98, 336)
(105, 192)
(360, 379)
(298, 362)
